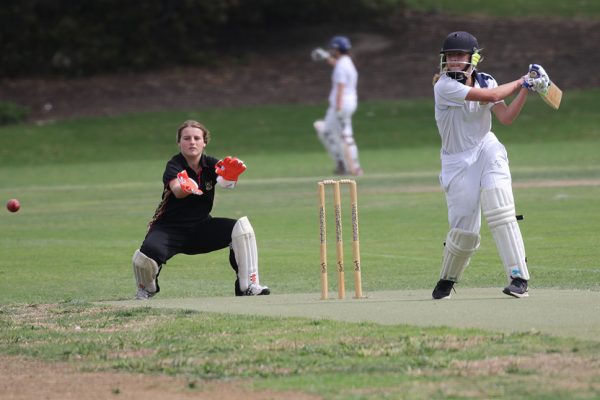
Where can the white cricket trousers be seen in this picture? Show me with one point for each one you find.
(341, 135)
(465, 174)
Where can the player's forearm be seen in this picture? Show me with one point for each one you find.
(176, 189)
(494, 95)
(514, 108)
(507, 114)
(509, 89)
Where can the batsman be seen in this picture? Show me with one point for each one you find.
(475, 174)
(335, 130)
(182, 223)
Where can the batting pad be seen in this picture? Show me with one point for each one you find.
(498, 208)
(145, 270)
(319, 127)
(243, 243)
(328, 139)
(460, 246)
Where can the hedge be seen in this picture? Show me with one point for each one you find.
(84, 37)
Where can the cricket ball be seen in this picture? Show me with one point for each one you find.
(13, 205)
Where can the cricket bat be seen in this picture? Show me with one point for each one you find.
(553, 95)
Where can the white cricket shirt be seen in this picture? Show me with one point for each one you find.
(344, 72)
(462, 124)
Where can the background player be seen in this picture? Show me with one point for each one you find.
(335, 131)
(182, 222)
(475, 174)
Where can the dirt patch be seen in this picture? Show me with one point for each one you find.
(567, 372)
(394, 63)
(23, 379)
(550, 364)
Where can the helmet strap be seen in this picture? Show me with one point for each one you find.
(459, 76)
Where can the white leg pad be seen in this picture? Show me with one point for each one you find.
(145, 270)
(460, 246)
(499, 209)
(320, 128)
(321, 133)
(328, 139)
(243, 243)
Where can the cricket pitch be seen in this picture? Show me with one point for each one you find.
(567, 313)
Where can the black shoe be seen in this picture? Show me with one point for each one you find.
(517, 288)
(442, 289)
(236, 288)
(340, 169)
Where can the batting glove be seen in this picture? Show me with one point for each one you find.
(319, 54)
(187, 184)
(525, 83)
(540, 84)
(230, 168)
(540, 77)
(536, 71)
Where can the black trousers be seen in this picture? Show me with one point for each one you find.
(163, 242)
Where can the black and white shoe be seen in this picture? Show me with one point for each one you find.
(443, 289)
(253, 290)
(517, 288)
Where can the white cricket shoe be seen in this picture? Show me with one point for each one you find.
(143, 294)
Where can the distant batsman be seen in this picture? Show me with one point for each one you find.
(182, 223)
(335, 130)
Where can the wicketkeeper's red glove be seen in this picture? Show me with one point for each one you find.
(187, 184)
(230, 168)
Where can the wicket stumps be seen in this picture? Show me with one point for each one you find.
(337, 205)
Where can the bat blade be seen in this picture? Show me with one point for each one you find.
(553, 96)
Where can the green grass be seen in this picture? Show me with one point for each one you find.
(333, 359)
(512, 8)
(88, 187)
(268, 130)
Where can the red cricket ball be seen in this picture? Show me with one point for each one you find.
(13, 205)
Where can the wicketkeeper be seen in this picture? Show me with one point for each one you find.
(182, 222)
(335, 131)
(475, 174)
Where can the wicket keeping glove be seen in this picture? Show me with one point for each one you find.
(230, 168)
(187, 184)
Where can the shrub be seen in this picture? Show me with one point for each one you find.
(11, 113)
(74, 38)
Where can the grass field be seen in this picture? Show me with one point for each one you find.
(511, 8)
(88, 188)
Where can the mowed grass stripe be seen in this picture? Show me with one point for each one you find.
(541, 183)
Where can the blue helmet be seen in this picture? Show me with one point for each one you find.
(341, 43)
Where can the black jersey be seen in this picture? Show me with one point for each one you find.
(191, 209)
